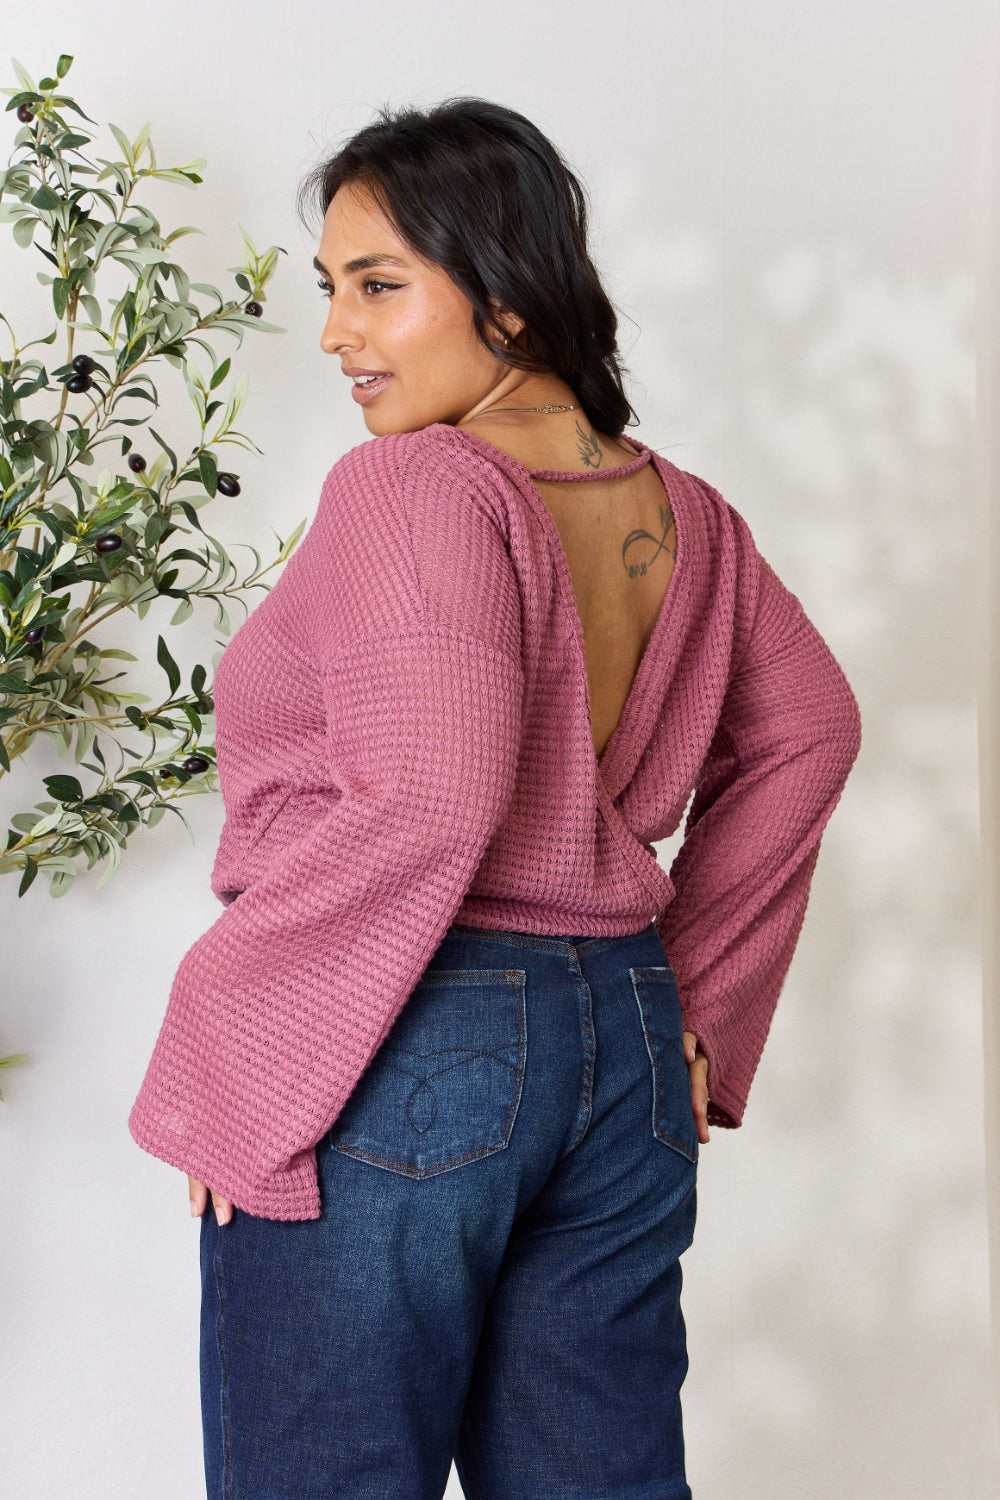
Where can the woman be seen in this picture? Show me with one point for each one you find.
(434, 1066)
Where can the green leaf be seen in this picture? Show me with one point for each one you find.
(64, 64)
(25, 78)
(24, 230)
(141, 141)
(107, 236)
(60, 882)
(93, 309)
(168, 664)
(220, 374)
(141, 776)
(168, 451)
(64, 788)
(45, 198)
(190, 512)
(208, 470)
(157, 525)
(104, 518)
(175, 234)
(30, 871)
(134, 390)
(65, 103)
(235, 321)
(124, 143)
(288, 547)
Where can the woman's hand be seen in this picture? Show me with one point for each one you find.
(198, 1194)
(698, 1068)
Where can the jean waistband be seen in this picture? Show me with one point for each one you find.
(548, 942)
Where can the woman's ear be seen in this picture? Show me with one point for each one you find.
(505, 322)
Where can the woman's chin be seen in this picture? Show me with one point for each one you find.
(379, 425)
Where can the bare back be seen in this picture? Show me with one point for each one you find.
(620, 544)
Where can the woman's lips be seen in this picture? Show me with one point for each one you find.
(365, 393)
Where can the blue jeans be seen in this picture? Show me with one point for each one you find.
(494, 1277)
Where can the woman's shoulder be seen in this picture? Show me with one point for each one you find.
(709, 523)
(420, 469)
(439, 445)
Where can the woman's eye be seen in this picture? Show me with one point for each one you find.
(368, 283)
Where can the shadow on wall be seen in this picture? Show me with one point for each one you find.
(837, 1293)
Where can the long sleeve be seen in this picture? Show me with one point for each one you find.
(785, 741)
(275, 1012)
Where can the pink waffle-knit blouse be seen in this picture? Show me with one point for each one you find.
(404, 741)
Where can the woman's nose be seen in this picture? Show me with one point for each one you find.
(336, 335)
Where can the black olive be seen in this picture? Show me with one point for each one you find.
(195, 763)
(227, 484)
(136, 463)
(32, 636)
(109, 543)
(24, 114)
(254, 309)
(77, 383)
(84, 365)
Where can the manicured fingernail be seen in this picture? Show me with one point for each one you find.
(194, 1209)
(220, 1216)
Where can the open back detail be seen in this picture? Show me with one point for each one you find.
(617, 639)
(616, 573)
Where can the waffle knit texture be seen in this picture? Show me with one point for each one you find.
(403, 739)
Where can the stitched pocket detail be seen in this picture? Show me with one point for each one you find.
(444, 1087)
(673, 1120)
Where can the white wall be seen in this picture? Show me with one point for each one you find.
(987, 455)
(786, 205)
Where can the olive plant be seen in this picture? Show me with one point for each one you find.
(79, 548)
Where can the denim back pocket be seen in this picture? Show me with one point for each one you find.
(444, 1087)
(673, 1118)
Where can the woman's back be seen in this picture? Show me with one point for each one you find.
(618, 539)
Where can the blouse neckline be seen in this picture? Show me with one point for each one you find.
(643, 456)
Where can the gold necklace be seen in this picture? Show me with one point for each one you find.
(547, 409)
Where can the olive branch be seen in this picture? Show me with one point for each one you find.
(111, 540)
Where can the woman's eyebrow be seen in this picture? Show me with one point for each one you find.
(361, 263)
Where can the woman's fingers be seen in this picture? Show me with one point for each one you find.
(698, 1069)
(199, 1195)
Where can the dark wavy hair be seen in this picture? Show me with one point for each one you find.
(478, 190)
